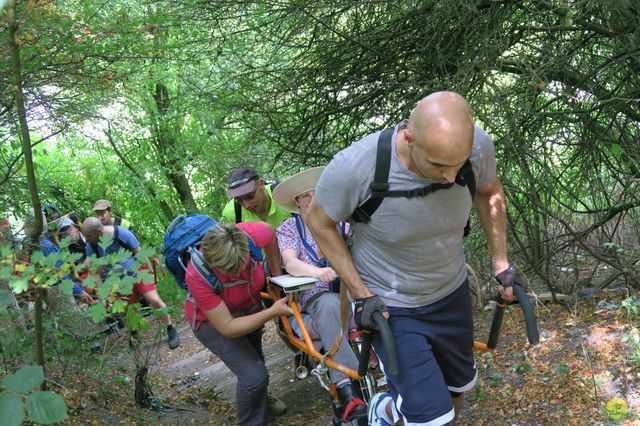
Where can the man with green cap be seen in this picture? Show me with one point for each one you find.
(251, 199)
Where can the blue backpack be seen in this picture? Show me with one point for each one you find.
(180, 245)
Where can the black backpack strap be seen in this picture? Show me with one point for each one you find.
(421, 191)
(380, 184)
(465, 177)
(95, 249)
(117, 221)
(238, 210)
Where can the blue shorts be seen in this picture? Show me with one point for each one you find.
(435, 356)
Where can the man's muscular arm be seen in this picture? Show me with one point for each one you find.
(334, 248)
(492, 213)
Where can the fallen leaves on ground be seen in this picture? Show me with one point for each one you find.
(579, 366)
(587, 357)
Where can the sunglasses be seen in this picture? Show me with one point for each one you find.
(248, 197)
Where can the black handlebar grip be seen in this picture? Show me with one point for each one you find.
(529, 316)
(496, 324)
(365, 352)
(387, 342)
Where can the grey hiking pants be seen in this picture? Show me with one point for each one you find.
(245, 359)
(325, 312)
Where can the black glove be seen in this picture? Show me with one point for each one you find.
(510, 276)
(364, 310)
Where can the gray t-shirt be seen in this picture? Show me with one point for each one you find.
(410, 253)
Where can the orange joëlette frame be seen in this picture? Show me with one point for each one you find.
(305, 345)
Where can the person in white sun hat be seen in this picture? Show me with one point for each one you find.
(301, 257)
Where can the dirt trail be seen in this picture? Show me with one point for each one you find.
(192, 369)
(582, 363)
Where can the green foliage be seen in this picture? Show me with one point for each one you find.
(24, 380)
(479, 393)
(5, 297)
(47, 271)
(42, 406)
(12, 409)
(46, 407)
(613, 247)
(170, 292)
(631, 307)
(562, 369)
(134, 318)
(521, 364)
(632, 339)
(121, 380)
(98, 312)
(631, 336)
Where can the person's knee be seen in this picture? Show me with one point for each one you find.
(327, 306)
(254, 380)
(154, 299)
(443, 405)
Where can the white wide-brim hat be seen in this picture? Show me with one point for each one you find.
(285, 193)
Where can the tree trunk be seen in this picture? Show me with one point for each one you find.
(166, 209)
(167, 143)
(16, 68)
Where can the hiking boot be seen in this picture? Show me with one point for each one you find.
(174, 339)
(352, 405)
(275, 407)
(376, 415)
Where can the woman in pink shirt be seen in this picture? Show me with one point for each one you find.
(230, 323)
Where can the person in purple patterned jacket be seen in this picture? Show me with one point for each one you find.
(301, 257)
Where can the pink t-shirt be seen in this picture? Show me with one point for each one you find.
(238, 297)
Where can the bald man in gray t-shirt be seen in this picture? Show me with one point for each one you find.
(410, 253)
(409, 257)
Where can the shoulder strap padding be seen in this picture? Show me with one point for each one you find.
(380, 179)
(465, 177)
(95, 248)
(255, 251)
(380, 185)
(203, 269)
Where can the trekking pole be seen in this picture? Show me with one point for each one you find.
(531, 323)
(387, 342)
